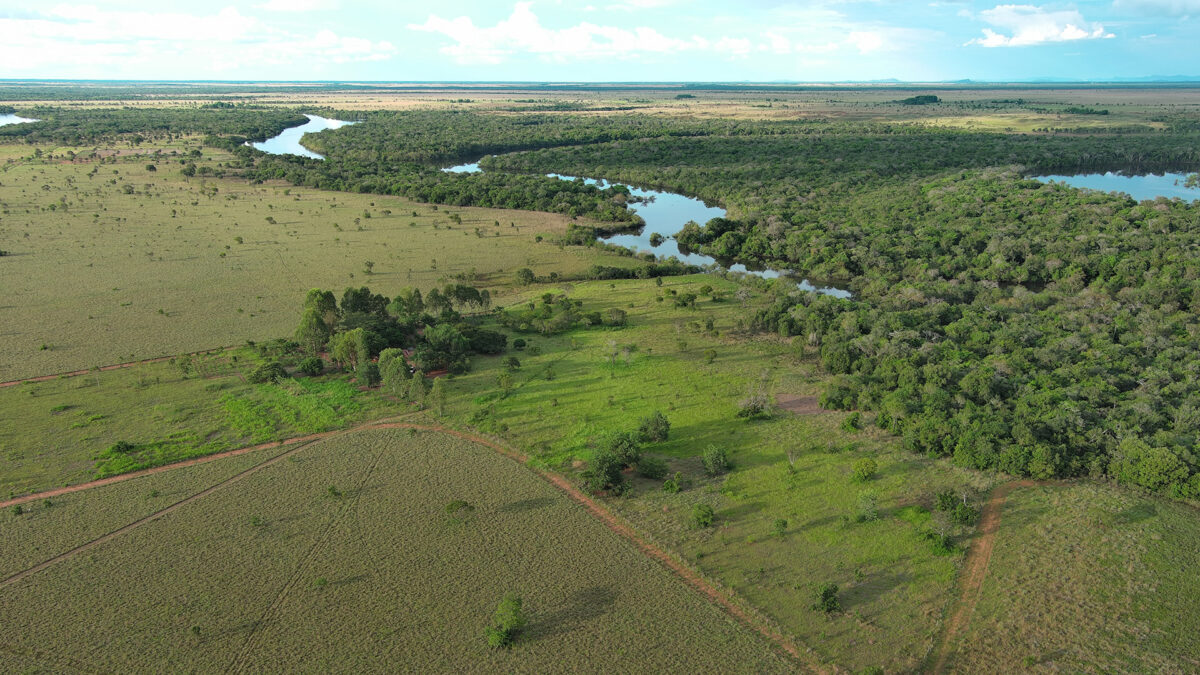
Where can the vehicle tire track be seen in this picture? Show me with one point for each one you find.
(114, 366)
(975, 569)
(239, 661)
(4, 583)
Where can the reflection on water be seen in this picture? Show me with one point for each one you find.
(288, 142)
(665, 214)
(1148, 186)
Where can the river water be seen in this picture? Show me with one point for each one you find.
(665, 214)
(10, 118)
(288, 142)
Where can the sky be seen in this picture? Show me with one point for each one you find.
(598, 41)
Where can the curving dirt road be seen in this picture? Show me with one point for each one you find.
(975, 570)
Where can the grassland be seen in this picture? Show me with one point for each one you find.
(56, 432)
(274, 573)
(1088, 578)
(895, 586)
(128, 263)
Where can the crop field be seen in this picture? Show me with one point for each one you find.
(56, 432)
(342, 557)
(895, 585)
(112, 262)
(1088, 578)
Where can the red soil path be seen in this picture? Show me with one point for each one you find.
(975, 570)
(722, 598)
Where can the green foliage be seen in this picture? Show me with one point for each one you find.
(779, 527)
(863, 469)
(867, 509)
(507, 622)
(652, 468)
(524, 276)
(703, 515)
(852, 422)
(311, 366)
(625, 445)
(368, 374)
(827, 598)
(270, 371)
(604, 472)
(673, 484)
(655, 428)
(715, 460)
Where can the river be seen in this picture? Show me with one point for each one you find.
(288, 142)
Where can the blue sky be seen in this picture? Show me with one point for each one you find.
(595, 40)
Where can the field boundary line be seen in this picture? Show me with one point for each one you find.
(975, 569)
(4, 583)
(113, 366)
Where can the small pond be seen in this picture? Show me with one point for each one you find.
(665, 214)
(288, 142)
(1148, 186)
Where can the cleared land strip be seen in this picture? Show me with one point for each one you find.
(724, 599)
(114, 366)
(975, 570)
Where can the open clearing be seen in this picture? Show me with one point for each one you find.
(1087, 578)
(274, 573)
(129, 264)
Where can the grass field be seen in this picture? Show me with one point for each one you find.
(894, 585)
(129, 264)
(56, 432)
(1087, 578)
(275, 573)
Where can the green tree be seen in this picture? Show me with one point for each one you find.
(655, 428)
(703, 515)
(715, 460)
(507, 622)
(863, 470)
(313, 332)
(525, 276)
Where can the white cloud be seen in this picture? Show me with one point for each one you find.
(1033, 25)
(298, 5)
(522, 32)
(83, 38)
(1159, 7)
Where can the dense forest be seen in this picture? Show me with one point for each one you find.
(1010, 324)
(73, 126)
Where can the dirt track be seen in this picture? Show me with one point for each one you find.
(115, 366)
(975, 570)
(722, 598)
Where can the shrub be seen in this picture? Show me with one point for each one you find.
(672, 484)
(827, 598)
(655, 428)
(525, 276)
(17, 509)
(853, 422)
(864, 470)
(652, 468)
(604, 472)
(312, 366)
(715, 460)
(868, 507)
(755, 406)
(271, 371)
(519, 344)
(507, 622)
(945, 501)
(964, 514)
(780, 527)
(703, 515)
(625, 445)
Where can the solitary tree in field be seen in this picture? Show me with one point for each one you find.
(507, 622)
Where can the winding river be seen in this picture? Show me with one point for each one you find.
(288, 142)
(665, 213)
